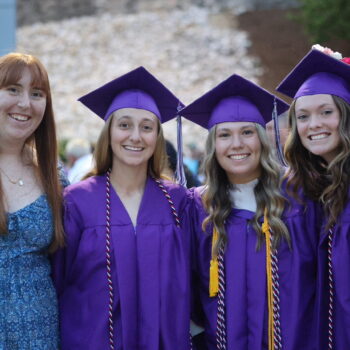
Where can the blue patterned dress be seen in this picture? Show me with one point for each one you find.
(28, 305)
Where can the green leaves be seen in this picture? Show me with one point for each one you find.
(326, 19)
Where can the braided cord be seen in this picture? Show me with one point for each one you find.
(108, 261)
(171, 203)
(275, 299)
(274, 326)
(331, 289)
(221, 318)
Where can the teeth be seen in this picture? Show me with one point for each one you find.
(239, 156)
(318, 137)
(131, 148)
(19, 117)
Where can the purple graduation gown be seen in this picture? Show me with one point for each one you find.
(150, 270)
(246, 285)
(341, 285)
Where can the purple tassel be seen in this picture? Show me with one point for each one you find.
(277, 135)
(180, 172)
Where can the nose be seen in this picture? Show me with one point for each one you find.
(135, 135)
(315, 122)
(24, 101)
(236, 142)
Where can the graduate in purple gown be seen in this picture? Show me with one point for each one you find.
(123, 278)
(318, 152)
(255, 253)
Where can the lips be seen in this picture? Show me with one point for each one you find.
(19, 117)
(239, 156)
(319, 136)
(133, 148)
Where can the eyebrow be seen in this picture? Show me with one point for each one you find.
(32, 87)
(241, 128)
(223, 129)
(13, 84)
(125, 116)
(321, 106)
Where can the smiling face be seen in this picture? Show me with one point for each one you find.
(133, 137)
(317, 121)
(238, 151)
(22, 107)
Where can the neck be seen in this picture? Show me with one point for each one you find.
(11, 151)
(242, 181)
(127, 180)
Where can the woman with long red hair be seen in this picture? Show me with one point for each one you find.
(30, 205)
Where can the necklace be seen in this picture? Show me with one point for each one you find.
(18, 182)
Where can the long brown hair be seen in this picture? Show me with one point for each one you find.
(103, 154)
(43, 142)
(216, 198)
(328, 183)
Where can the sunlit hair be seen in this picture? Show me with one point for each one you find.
(216, 198)
(103, 154)
(43, 142)
(328, 183)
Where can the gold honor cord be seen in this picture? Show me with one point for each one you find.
(266, 230)
(214, 268)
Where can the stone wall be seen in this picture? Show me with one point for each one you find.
(33, 11)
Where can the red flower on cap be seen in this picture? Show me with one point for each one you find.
(346, 60)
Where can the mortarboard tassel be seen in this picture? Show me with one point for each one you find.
(277, 135)
(180, 172)
(214, 269)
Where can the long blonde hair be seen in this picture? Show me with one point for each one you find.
(216, 198)
(43, 142)
(103, 154)
(328, 183)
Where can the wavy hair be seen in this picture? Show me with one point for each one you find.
(103, 154)
(43, 142)
(216, 199)
(328, 183)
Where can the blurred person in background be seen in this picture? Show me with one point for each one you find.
(283, 130)
(79, 159)
(193, 158)
(170, 170)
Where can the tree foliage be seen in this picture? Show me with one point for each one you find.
(326, 19)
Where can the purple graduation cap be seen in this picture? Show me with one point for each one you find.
(234, 100)
(136, 89)
(318, 73)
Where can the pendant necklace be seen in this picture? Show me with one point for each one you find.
(18, 182)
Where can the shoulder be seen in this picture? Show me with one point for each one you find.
(300, 205)
(196, 198)
(196, 193)
(172, 186)
(86, 188)
(175, 190)
(178, 194)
